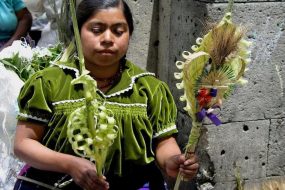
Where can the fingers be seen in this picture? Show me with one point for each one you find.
(189, 167)
(192, 159)
(84, 174)
(91, 182)
(188, 175)
(99, 183)
(181, 159)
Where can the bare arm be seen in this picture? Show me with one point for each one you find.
(24, 25)
(170, 159)
(28, 148)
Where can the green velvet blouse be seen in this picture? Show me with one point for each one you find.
(142, 105)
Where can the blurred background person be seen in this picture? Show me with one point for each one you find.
(44, 28)
(15, 21)
(40, 20)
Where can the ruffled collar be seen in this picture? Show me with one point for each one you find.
(130, 74)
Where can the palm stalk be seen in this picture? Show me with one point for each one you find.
(83, 71)
(190, 148)
(91, 128)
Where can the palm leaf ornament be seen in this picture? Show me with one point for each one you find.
(210, 73)
(91, 128)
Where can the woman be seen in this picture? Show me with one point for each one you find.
(142, 106)
(15, 21)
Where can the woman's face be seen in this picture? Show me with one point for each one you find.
(105, 37)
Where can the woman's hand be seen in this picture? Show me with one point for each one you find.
(188, 168)
(170, 159)
(28, 148)
(84, 174)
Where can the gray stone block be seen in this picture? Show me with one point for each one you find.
(238, 145)
(276, 153)
(225, 185)
(142, 13)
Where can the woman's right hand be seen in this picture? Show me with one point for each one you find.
(28, 148)
(84, 174)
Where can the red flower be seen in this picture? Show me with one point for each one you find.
(204, 97)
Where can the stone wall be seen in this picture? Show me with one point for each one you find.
(250, 140)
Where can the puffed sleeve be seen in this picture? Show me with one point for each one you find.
(34, 100)
(163, 112)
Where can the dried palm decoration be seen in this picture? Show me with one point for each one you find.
(92, 128)
(272, 183)
(210, 73)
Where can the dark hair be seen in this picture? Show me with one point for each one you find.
(88, 7)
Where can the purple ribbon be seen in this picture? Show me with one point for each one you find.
(24, 170)
(145, 187)
(213, 92)
(203, 113)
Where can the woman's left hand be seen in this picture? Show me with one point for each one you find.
(187, 167)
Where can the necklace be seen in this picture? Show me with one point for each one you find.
(107, 82)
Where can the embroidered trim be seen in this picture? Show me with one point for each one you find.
(33, 117)
(130, 86)
(164, 131)
(133, 79)
(110, 103)
(126, 105)
(68, 101)
(66, 67)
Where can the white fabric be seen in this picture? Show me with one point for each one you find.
(44, 19)
(36, 7)
(10, 85)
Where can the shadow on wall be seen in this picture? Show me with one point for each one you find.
(152, 54)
